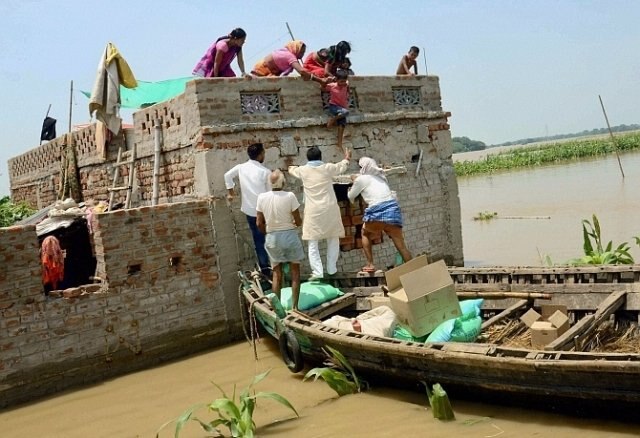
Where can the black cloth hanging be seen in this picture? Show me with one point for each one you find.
(48, 129)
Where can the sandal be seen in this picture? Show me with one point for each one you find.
(368, 269)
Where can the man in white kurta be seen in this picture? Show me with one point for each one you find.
(322, 220)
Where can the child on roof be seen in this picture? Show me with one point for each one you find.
(408, 61)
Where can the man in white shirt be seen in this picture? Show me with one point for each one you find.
(382, 212)
(279, 217)
(254, 179)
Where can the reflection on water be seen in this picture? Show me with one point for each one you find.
(568, 193)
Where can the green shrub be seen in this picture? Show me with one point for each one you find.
(11, 213)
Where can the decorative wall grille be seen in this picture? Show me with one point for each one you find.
(406, 96)
(262, 103)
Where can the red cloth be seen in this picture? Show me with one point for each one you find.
(52, 262)
(314, 65)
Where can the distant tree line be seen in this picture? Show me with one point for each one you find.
(465, 144)
(619, 128)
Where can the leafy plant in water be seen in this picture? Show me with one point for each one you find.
(338, 373)
(597, 254)
(439, 401)
(236, 416)
(485, 216)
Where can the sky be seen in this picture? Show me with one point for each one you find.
(508, 69)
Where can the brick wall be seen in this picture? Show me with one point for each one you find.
(164, 297)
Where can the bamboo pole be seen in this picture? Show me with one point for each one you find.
(504, 295)
(424, 56)
(522, 217)
(70, 105)
(613, 140)
(289, 30)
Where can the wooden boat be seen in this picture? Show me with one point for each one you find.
(567, 369)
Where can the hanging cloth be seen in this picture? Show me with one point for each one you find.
(52, 262)
(48, 129)
(113, 71)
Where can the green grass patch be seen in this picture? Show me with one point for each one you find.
(547, 154)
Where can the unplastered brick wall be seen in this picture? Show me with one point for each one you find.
(164, 296)
(35, 175)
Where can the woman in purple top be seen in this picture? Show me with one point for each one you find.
(216, 62)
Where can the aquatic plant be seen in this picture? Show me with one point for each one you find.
(11, 213)
(597, 254)
(439, 402)
(236, 416)
(485, 215)
(528, 156)
(338, 373)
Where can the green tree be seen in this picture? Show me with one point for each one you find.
(465, 144)
(11, 213)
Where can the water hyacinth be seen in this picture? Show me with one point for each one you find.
(547, 154)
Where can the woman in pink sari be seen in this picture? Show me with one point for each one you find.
(282, 62)
(216, 62)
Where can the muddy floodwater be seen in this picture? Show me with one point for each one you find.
(137, 404)
(540, 210)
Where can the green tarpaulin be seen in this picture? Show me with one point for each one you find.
(149, 93)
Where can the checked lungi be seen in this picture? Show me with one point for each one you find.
(387, 212)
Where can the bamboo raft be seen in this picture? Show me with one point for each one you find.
(574, 367)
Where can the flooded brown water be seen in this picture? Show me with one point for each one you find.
(137, 404)
(547, 206)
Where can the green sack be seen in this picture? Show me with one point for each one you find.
(312, 294)
(402, 333)
(466, 328)
(444, 331)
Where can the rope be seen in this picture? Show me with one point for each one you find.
(253, 336)
(242, 308)
(253, 324)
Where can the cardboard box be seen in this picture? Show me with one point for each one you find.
(546, 310)
(378, 299)
(422, 295)
(546, 330)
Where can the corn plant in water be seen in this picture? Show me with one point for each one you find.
(338, 374)
(597, 254)
(236, 416)
(439, 402)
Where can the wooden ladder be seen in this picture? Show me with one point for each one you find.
(116, 175)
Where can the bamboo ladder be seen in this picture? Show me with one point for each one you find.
(116, 175)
